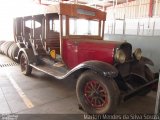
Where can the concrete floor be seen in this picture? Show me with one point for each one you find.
(42, 94)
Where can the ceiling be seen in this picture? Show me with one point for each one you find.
(97, 3)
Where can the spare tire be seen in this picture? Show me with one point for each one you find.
(8, 44)
(1, 42)
(9, 54)
(14, 52)
(2, 47)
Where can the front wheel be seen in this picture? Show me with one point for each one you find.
(25, 67)
(96, 94)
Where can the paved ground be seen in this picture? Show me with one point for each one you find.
(42, 94)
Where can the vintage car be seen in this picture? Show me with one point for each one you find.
(67, 40)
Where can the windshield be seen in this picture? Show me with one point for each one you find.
(83, 27)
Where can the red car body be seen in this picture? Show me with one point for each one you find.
(75, 52)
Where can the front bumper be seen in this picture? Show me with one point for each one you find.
(134, 92)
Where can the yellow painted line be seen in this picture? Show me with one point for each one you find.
(25, 99)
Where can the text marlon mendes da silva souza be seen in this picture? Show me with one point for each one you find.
(123, 117)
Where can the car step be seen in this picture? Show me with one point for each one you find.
(57, 72)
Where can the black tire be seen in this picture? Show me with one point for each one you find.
(3, 45)
(25, 67)
(110, 91)
(14, 53)
(1, 42)
(10, 50)
(8, 44)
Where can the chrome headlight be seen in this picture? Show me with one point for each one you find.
(120, 56)
(138, 54)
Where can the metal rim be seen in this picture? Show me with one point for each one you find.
(95, 94)
(23, 63)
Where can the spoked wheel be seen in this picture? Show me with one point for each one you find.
(25, 68)
(95, 94)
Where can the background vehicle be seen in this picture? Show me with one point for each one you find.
(68, 40)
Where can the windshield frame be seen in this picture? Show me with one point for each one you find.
(82, 12)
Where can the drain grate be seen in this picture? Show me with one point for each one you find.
(8, 64)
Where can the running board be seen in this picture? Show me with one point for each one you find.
(135, 91)
(55, 71)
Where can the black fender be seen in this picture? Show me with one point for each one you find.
(29, 53)
(102, 68)
(147, 61)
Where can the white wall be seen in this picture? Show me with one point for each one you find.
(150, 46)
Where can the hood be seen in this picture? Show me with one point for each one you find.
(103, 43)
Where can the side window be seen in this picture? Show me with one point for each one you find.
(29, 24)
(54, 25)
(37, 24)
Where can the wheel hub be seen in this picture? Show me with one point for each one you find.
(95, 94)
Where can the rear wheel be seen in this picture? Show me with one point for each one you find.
(25, 67)
(95, 94)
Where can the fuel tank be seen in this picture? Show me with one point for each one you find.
(77, 51)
